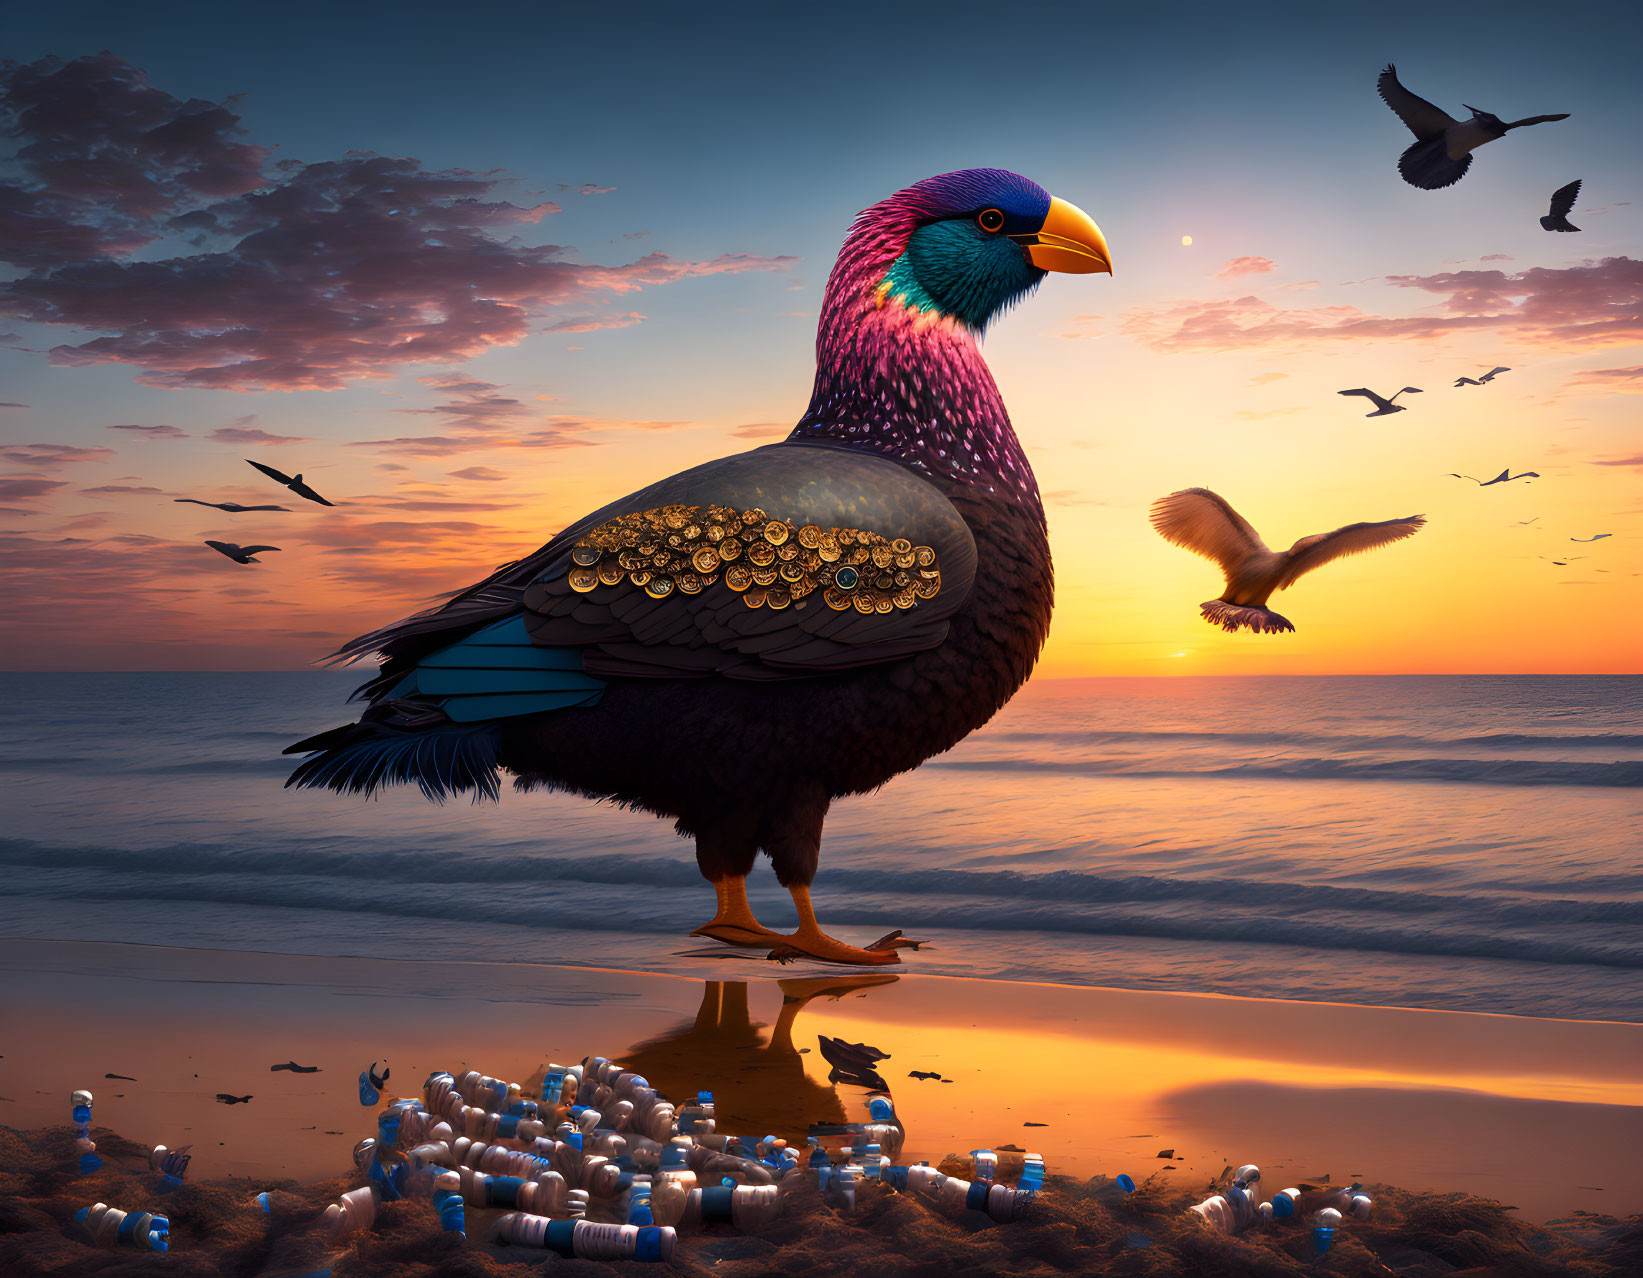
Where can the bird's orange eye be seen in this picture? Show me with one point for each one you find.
(990, 220)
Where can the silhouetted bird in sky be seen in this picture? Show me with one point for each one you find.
(738, 645)
(293, 482)
(1443, 148)
(1505, 477)
(1204, 523)
(1563, 563)
(1383, 406)
(232, 507)
(1484, 380)
(1524, 523)
(1598, 537)
(1563, 202)
(239, 554)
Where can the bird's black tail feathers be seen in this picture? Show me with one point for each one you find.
(360, 758)
(1426, 164)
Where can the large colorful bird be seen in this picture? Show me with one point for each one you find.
(742, 643)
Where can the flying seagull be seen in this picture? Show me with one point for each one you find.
(293, 482)
(1442, 151)
(232, 507)
(1599, 537)
(1383, 406)
(1202, 522)
(1524, 523)
(1562, 563)
(1481, 381)
(1505, 477)
(239, 554)
(1563, 200)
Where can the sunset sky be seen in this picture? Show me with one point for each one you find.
(476, 271)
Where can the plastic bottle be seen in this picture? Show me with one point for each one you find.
(357, 1209)
(1001, 1202)
(447, 1197)
(586, 1240)
(80, 1110)
(170, 1163)
(1032, 1174)
(986, 1164)
(1295, 1202)
(111, 1227)
(1323, 1229)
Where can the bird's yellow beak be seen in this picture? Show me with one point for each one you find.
(1068, 241)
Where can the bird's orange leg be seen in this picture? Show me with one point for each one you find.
(734, 923)
(810, 941)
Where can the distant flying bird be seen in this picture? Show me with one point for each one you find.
(232, 507)
(1563, 200)
(1599, 537)
(1524, 523)
(1505, 477)
(239, 554)
(739, 645)
(1443, 148)
(1383, 406)
(1484, 380)
(293, 482)
(1562, 563)
(1204, 523)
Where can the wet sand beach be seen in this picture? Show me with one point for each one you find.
(1544, 1115)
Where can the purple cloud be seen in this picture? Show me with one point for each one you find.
(254, 435)
(155, 432)
(48, 455)
(308, 276)
(1246, 266)
(27, 487)
(1594, 304)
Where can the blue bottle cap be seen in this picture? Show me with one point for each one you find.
(704, 1098)
(1283, 1206)
(262, 1201)
(648, 1244)
(729, 1182)
(880, 1109)
(368, 1095)
(1322, 1237)
(1126, 1184)
(80, 1216)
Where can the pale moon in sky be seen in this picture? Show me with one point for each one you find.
(1186, 239)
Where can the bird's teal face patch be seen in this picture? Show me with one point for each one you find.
(960, 269)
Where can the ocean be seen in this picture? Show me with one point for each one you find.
(1468, 843)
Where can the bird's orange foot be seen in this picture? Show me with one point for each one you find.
(1231, 617)
(732, 932)
(813, 943)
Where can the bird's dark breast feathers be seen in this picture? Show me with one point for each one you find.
(689, 747)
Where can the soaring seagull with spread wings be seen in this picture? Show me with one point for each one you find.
(1204, 523)
(1563, 203)
(1442, 151)
(1481, 381)
(1505, 477)
(293, 482)
(232, 507)
(1383, 406)
(239, 554)
(736, 646)
(1598, 537)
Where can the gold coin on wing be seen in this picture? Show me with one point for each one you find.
(585, 555)
(611, 574)
(755, 597)
(729, 549)
(776, 532)
(706, 559)
(583, 580)
(810, 536)
(738, 577)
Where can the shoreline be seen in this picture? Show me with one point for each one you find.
(1427, 1100)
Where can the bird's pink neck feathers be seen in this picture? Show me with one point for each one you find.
(904, 383)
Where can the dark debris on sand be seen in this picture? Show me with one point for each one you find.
(1075, 1227)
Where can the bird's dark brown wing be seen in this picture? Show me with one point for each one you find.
(1563, 199)
(1316, 551)
(1205, 524)
(1424, 120)
(631, 586)
(1537, 119)
(277, 475)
